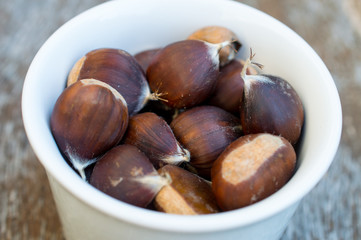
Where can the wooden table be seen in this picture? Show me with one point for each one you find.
(332, 27)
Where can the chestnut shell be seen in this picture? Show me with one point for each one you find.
(117, 68)
(271, 105)
(87, 120)
(184, 72)
(205, 131)
(123, 173)
(153, 136)
(254, 173)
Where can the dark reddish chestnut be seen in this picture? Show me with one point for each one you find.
(126, 174)
(118, 69)
(187, 194)
(218, 34)
(229, 88)
(252, 168)
(205, 132)
(271, 105)
(185, 72)
(153, 136)
(89, 118)
(145, 57)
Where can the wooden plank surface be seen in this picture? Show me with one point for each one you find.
(332, 27)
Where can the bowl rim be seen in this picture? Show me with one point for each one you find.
(203, 223)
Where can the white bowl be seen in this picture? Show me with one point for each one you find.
(135, 25)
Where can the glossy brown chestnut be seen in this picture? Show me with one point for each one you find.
(205, 131)
(187, 194)
(126, 174)
(218, 34)
(145, 57)
(228, 92)
(118, 69)
(185, 72)
(252, 168)
(89, 118)
(153, 136)
(271, 105)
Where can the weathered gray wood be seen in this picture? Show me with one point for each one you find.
(332, 27)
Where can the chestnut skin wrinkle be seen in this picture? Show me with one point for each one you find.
(119, 174)
(184, 72)
(118, 69)
(271, 105)
(205, 131)
(266, 173)
(153, 136)
(187, 194)
(87, 120)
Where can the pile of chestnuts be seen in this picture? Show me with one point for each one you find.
(185, 129)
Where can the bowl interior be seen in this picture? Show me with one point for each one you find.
(135, 25)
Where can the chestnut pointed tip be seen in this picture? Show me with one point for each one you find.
(187, 155)
(181, 156)
(144, 96)
(78, 163)
(153, 182)
(224, 44)
(215, 49)
(246, 64)
(219, 34)
(157, 96)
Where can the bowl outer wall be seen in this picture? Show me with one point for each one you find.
(280, 49)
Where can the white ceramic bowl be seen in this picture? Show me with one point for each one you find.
(135, 25)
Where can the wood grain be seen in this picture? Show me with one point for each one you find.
(332, 27)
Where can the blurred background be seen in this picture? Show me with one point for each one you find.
(332, 27)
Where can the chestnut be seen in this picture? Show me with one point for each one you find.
(125, 173)
(88, 118)
(218, 34)
(145, 57)
(270, 104)
(118, 69)
(186, 194)
(153, 136)
(252, 168)
(228, 92)
(185, 72)
(205, 131)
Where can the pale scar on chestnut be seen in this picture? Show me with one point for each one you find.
(115, 182)
(177, 205)
(136, 171)
(254, 154)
